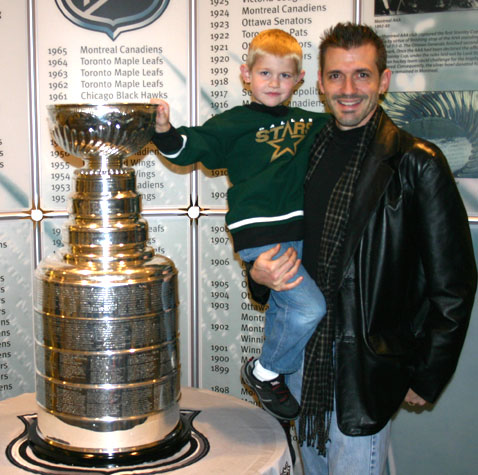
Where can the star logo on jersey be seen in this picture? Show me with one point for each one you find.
(285, 137)
(110, 16)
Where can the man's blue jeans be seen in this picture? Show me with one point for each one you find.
(346, 455)
(291, 318)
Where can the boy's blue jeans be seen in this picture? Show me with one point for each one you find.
(291, 318)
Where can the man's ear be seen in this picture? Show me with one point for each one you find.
(385, 81)
(319, 78)
(245, 73)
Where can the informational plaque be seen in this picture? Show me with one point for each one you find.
(433, 58)
(99, 53)
(171, 236)
(15, 178)
(16, 344)
(231, 324)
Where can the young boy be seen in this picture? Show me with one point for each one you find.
(265, 147)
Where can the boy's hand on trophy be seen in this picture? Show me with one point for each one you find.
(162, 115)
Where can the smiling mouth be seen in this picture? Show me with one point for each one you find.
(349, 102)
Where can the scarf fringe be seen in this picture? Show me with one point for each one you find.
(312, 429)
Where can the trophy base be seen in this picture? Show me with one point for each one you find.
(165, 448)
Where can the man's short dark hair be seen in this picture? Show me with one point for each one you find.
(350, 35)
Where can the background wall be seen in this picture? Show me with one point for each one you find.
(188, 52)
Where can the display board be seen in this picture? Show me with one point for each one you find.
(433, 94)
(16, 343)
(231, 325)
(188, 52)
(98, 54)
(15, 188)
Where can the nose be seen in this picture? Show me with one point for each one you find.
(274, 81)
(348, 85)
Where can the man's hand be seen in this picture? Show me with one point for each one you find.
(275, 273)
(162, 115)
(413, 399)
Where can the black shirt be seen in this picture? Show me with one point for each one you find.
(319, 189)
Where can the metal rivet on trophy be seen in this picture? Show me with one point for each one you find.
(107, 372)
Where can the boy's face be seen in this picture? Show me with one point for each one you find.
(272, 79)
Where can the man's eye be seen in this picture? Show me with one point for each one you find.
(334, 76)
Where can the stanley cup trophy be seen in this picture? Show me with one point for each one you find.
(106, 347)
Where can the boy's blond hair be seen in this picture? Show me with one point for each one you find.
(276, 42)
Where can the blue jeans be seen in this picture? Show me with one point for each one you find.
(291, 318)
(358, 455)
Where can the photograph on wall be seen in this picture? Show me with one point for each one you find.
(449, 119)
(431, 51)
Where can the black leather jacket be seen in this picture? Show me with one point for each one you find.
(408, 282)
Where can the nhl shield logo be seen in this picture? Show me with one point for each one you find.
(112, 17)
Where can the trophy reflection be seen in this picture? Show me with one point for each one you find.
(106, 344)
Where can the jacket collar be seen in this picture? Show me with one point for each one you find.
(372, 182)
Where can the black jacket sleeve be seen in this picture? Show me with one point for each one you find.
(450, 274)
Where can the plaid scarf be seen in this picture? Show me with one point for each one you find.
(317, 400)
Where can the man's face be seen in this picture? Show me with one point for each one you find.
(352, 84)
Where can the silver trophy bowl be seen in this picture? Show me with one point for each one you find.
(106, 342)
(94, 132)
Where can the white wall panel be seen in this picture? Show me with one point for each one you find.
(15, 177)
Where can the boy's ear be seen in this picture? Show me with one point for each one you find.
(245, 73)
(301, 76)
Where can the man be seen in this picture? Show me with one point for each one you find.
(387, 240)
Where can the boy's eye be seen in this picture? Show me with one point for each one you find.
(286, 75)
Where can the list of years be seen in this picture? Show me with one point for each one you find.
(232, 324)
(106, 74)
(58, 81)
(116, 73)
